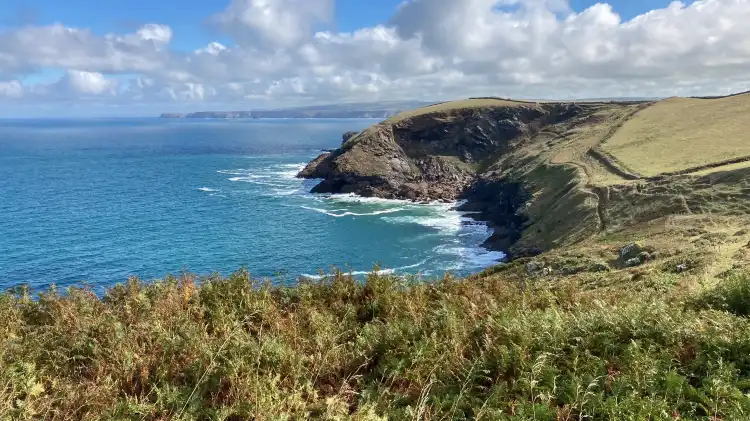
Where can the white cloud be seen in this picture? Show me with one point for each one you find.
(213, 49)
(87, 83)
(429, 49)
(274, 23)
(12, 89)
(159, 34)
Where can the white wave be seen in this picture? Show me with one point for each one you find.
(276, 175)
(285, 192)
(259, 180)
(415, 265)
(448, 223)
(239, 171)
(348, 213)
(471, 257)
(292, 166)
(353, 198)
(289, 174)
(208, 189)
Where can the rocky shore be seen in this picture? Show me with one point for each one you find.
(446, 156)
(526, 169)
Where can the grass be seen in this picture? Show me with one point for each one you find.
(457, 105)
(387, 348)
(680, 133)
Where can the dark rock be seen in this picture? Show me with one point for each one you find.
(633, 262)
(600, 267)
(499, 202)
(533, 268)
(630, 251)
(319, 167)
(682, 267)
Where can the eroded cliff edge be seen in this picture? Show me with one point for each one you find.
(483, 155)
(532, 171)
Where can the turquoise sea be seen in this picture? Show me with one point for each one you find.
(96, 201)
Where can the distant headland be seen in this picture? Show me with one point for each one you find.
(378, 110)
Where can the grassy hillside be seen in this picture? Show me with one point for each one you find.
(500, 345)
(680, 133)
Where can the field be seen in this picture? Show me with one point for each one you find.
(681, 133)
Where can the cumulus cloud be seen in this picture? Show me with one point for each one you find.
(283, 52)
(159, 34)
(273, 23)
(86, 83)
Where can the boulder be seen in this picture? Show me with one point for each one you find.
(630, 251)
(534, 268)
(633, 262)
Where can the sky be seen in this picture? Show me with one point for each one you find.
(144, 57)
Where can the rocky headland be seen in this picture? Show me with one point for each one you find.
(535, 172)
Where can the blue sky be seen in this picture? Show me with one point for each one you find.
(127, 56)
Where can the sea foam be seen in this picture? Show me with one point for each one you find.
(348, 213)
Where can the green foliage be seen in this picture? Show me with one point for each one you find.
(732, 295)
(387, 348)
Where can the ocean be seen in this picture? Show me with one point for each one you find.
(92, 202)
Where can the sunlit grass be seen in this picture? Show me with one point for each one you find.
(386, 348)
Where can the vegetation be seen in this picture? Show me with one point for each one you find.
(463, 104)
(494, 346)
(694, 131)
(598, 327)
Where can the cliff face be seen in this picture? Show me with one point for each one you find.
(431, 156)
(533, 171)
(476, 154)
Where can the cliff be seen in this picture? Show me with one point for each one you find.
(541, 174)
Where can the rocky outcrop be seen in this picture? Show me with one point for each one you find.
(472, 154)
(499, 202)
(318, 167)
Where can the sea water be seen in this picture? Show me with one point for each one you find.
(96, 201)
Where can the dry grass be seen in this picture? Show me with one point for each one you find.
(486, 348)
(680, 133)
